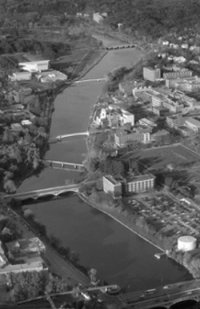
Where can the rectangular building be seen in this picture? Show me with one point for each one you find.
(127, 117)
(141, 183)
(123, 139)
(177, 74)
(18, 76)
(193, 124)
(111, 185)
(151, 74)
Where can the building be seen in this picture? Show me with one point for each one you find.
(188, 85)
(127, 117)
(175, 121)
(122, 139)
(51, 76)
(3, 259)
(177, 74)
(98, 18)
(141, 183)
(147, 123)
(143, 93)
(127, 86)
(25, 256)
(111, 185)
(160, 136)
(151, 74)
(35, 66)
(192, 124)
(19, 76)
(186, 243)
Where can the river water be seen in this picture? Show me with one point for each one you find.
(118, 254)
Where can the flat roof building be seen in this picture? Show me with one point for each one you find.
(151, 74)
(111, 185)
(141, 183)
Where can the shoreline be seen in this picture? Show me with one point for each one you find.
(119, 220)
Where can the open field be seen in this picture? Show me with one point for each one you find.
(159, 157)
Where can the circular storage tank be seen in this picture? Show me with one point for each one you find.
(186, 243)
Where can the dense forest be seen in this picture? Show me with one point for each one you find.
(153, 17)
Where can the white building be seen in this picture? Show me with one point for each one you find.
(19, 76)
(186, 243)
(193, 124)
(111, 185)
(97, 17)
(127, 117)
(147, 123)
(35, 66)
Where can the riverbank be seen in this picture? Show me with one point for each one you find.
(120, 216)
(117, 215)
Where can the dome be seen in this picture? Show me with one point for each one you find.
(186, 243)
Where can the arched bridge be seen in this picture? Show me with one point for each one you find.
(36, 194)
(166, 297)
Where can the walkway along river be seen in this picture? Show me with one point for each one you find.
(119, 255)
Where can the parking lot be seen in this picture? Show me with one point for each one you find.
(173, 218)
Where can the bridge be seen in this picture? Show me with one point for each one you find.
(166, 297)
(36, 194)
(60, 137)
(64, 165)
(121, 46)
(90, 80)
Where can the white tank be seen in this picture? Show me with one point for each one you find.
(186, 243)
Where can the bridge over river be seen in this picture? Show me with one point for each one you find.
(166, 297)
(78, 167)
(36, 194)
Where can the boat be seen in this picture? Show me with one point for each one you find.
(112, 290)
(158, 255)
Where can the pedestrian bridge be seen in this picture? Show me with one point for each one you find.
(63, 136)
(46, 192)
(65, 165)
(90, 80)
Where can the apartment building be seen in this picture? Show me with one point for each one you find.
(177, 74)
(111, 185)
(141, 183)
(151, 74)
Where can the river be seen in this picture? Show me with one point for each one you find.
(118, 254)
